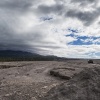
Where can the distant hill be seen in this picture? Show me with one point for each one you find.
(10, 55)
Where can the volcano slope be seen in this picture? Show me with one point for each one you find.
(83, 86)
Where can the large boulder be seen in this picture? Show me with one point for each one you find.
(83, 86)
(90, 61)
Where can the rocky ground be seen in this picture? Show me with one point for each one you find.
(34, 80)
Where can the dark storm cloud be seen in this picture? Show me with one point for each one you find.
(57, 9)
(16, 5)
(87, 17)
(90, 1)
(10, 12)
(84, 2)
(10, 41)
(21, 27)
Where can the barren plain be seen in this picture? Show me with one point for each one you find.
(32, 80)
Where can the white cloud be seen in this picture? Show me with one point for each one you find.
(21, 26)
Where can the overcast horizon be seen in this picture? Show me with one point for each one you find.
(64, 28)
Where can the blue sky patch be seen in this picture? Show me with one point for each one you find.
(81, 40)
(46, 18)
(97, 53)
(73, 30)
(84, 40)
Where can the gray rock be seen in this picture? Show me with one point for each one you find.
(90, 61)
(63, 73)
(83, 86)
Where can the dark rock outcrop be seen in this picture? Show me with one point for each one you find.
(90, 61)
(83, 86)
(63, 73)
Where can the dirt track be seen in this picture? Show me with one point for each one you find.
(31, 80)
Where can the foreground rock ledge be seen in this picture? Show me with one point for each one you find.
(83, 86)
(64, 73)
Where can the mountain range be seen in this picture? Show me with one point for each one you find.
(12, 53)
(23, 55)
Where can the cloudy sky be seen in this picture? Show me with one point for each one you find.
(65, 28)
